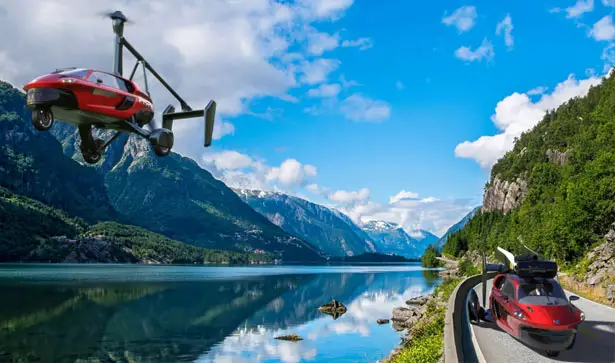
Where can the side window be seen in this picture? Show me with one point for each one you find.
(508, 289)
(107, 79)
(123, 85)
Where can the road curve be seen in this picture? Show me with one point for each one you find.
(595, 340)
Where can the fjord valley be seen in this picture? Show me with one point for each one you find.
(135, 207)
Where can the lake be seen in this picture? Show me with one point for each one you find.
(140, 313)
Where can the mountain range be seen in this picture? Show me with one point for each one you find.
(175, 197)
(391, 238)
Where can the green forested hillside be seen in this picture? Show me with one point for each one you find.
(29, 225)
(570, 201)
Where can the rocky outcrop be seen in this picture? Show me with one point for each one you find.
(504, 196)
(404, 318)
(382, 321)
(558, 157)
(290, 338)
(602, 260)
(96, 249)
(477, 260)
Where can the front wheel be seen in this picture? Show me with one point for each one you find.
(93, 156)
(42, 119)
(161, 150)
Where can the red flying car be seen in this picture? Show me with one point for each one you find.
(90, 98)
(530, 305)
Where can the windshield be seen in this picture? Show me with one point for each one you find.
(541, 292)
(76, 73)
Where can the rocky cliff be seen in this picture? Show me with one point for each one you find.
(504, 196)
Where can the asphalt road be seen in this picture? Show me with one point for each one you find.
(595, 340)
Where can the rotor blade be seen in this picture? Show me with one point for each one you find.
(529, 249)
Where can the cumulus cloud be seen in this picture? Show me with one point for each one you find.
(222, 128)
(537, 90)
(350, 197)
(463, 18)
(484, 51)
(361, 43)
(291, 172)
(516, 114)
(603, 29)
(360, 108)
(505, 27)
(403, 195)
(579, 8)
(228, 159)
(258, 56)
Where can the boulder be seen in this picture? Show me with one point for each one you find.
(419, 300)
(334, 308)
(382, 321)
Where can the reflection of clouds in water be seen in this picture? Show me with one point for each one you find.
(258, 344)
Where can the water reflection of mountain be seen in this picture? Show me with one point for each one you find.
(150, 322)
(171, 321)
(300, 305)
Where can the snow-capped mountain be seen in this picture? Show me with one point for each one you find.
(391, 238)
(325, 228)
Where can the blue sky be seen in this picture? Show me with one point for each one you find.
(391, 114)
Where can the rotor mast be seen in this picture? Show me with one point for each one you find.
(119, 19)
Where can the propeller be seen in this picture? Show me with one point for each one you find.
(115, 15)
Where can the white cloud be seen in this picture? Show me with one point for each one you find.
(608, 56)
(317, 71)
(350, 197)
(259, 54)
(485, 51)
(608, 3)
(361, 43)
(579, 8)
(516, 114)
(291, 172)
(537, 90)
(403, 195)
(325, 90)
(399, 85)
(603, 29)
(228, 159)
(322, 42)
(506, 27)
(362, 109)
(222, 128)
(463, 18)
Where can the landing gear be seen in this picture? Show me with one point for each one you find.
(42, 119)
(93, 156)
(162, 141)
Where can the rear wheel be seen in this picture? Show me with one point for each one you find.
(42, 119)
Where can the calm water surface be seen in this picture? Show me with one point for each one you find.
(136, 313)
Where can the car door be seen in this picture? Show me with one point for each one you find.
(106, 94)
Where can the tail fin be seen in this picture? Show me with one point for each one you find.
(169, 115)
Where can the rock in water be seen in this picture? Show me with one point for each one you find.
(334, 308)
(420, 300)
(382, 321)
(290, 338)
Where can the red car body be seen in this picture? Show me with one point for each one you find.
(88, 96)
(548, 321)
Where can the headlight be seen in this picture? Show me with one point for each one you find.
(519, 314)
(67, 80)
(582, 316)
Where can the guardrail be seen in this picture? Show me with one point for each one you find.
(454, 317)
